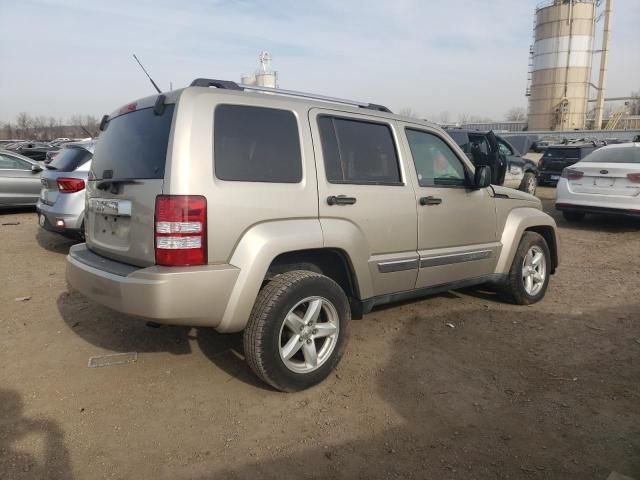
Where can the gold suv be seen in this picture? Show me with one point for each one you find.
(284, 215)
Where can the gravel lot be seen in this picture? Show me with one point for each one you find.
(547, 391)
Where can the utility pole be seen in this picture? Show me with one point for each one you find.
(604, 58)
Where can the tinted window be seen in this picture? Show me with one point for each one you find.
(615, 155)
(504, 148)
(358, 152)
(435, 162)
(9, 162)
(481, 142)
(68, 159)
(570, 153)
(255, 144)
(134, 145)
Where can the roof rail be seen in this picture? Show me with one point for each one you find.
(229, 85)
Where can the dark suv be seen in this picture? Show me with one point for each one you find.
(557, 157)
(509, 167)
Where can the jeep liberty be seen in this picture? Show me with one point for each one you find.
(285, 215)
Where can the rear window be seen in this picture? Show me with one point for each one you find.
(614, 155)
(68, 159)
(358, 152)
(133, 145)
(569, 153)
(256, 144)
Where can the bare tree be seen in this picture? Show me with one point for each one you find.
(23, 123)
(444, 117)
(463, 118)
(516, 114)
(634, 105)
(40, 127)
(92, 125)
(409, 112)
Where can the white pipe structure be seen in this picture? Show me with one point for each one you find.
(606, 37)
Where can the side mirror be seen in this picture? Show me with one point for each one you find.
(36, 168)
(482, 177)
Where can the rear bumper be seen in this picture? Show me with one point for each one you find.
(568, 207)
(72, 220)
(193, 296)
(548, 177)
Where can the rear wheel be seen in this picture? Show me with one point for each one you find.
(528, 277)
(297, 331)
(573, 216)
(529, 183)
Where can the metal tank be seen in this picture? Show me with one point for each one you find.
(561, 64)
(264, 76)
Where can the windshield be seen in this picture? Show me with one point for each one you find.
(68, 159)
(133, 145)
(614, 155)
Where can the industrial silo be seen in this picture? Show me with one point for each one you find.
(561, 64)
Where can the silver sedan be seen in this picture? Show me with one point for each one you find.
(19, 180)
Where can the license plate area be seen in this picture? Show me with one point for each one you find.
(111, 222)
(604, 182)
(555, 177)
(112, 230)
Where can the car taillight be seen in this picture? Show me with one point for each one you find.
(571, 174)
(633, 177)
(181, 230)
(70, 185)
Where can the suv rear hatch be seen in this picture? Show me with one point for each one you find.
(555, 159)
(126, 176)
(67, 161)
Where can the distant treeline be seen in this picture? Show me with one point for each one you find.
(41, 127)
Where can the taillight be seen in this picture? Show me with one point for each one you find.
(181, 230)
(571, 174)
(70, 185)
(633, 177)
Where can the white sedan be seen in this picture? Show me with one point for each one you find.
(605, 181)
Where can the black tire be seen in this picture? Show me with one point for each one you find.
(573, 216)
(529, 183)
(262, 333)
(513, 289)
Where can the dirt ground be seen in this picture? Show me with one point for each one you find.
(546, 391)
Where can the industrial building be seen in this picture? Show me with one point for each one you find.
(560, 67)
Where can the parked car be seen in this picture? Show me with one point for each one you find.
(545, 142)
(35, 150)
(559, 157)
(19, 180)
(61, 204)
(636, 139)
(605, 181)
(518, 172)
(286, 215)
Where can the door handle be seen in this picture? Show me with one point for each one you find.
(430, 201)
(341, 200)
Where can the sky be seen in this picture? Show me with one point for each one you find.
(64, 57)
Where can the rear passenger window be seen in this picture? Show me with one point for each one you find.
(255, 144)
(358, 152)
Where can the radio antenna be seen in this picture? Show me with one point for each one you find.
(147, 74)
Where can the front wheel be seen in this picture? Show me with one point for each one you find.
(528, 277)
(529, 183)
(297, 330)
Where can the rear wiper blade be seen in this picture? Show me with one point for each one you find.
(114, 185)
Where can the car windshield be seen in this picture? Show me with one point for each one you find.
(614, 155)
(69, 159)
